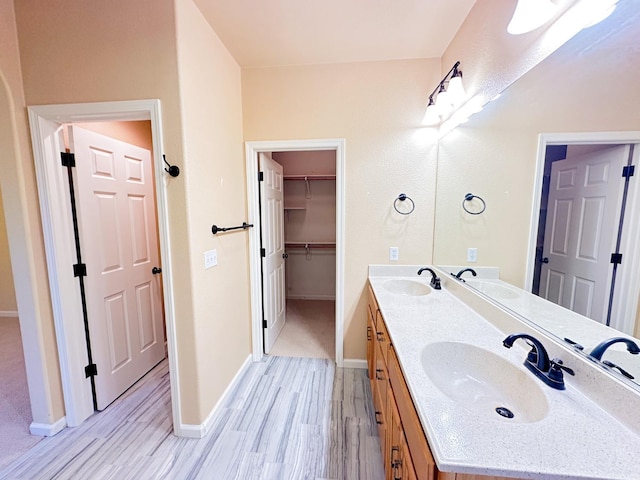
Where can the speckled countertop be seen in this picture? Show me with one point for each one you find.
(576, 438)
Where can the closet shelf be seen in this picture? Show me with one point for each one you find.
(309, 177)
(295, 206)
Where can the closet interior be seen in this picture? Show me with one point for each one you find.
(309, 202)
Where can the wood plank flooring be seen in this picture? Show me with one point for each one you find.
(288, 418)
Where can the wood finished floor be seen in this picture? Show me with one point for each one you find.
(288, 418)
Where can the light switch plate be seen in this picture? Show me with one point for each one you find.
(210, 259)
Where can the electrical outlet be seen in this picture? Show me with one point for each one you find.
(210, 259)
(394, 254)
(472, 255)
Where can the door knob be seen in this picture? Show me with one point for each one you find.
(545, 260)
(156, 270)
(285, 255)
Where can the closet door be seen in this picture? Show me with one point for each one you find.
(272, 229)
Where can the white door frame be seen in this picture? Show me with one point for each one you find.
(626, 296)
(53, 192)
(253, 195)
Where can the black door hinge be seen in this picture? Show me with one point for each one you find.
(263, 252)
(628, 171)
(261, 176)
(80, 270)
(264, 323)
(91, 370)
(616, 258)
(68, 159)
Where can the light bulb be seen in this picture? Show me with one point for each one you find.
(443, 105)
(456, 90)
(431, 116)
(529, 15)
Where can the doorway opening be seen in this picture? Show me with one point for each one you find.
(307, 233)
(47, 126)
(584, 255)
(303, 251)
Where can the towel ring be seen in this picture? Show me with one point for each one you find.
(402, 197)
(470, 196)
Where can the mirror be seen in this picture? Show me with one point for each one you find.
(590, 84)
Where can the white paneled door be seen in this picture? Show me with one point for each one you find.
(118, 239)
(585, 196)
(272, 228)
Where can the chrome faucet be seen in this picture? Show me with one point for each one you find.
(599, 350)
(435, 281)
(457, 275)
(538, 363)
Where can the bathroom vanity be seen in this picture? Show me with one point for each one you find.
(452, 403)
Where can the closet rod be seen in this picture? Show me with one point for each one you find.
(310, 245)
(309, 177)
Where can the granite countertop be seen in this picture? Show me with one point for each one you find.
(576, 439)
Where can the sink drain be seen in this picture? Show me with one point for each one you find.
(505, 412)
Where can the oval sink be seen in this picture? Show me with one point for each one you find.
(483, 382)
(493, 290)
(406, 287)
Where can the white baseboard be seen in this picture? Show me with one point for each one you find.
(354, 363)
(200, 431)
(48, 429)
(8, 313)
(310, 297)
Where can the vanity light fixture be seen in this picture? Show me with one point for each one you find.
(448, 95)
(530, 14)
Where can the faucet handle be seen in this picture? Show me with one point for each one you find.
(555, 371)
(621, 370)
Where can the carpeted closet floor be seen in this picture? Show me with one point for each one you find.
(310, 330)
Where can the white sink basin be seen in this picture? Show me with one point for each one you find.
(482, 381)
(493, 290)
(407, 287)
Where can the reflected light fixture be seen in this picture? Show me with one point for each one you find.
(530, 14)
(448, 95)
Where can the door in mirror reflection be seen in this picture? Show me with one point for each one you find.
(583, 219)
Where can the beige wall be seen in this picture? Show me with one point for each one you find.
(491, 58)
(7, 292)
(129, 50)
(22, 218)
(212, 120)
(377, 107)
(136, 132)
(494, 154)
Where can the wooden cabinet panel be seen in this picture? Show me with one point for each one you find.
(382, 336)
(423, 461)
(373, 304)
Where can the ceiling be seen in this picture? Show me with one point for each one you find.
(262, 33)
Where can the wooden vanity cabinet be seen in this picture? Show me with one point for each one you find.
(405, 450)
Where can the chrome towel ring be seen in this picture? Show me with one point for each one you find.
(402, 197)
(468, 198)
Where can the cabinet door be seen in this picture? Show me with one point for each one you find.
(425, 465)
(380, 396)
(400, 465)
(371, 345)
(393, 460)
(382, 336)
